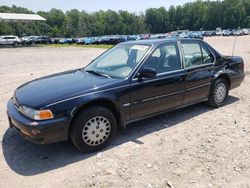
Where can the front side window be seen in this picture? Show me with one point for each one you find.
(164, 59)
(119, 61)
(196, 54)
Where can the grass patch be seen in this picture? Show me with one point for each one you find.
(102, 46)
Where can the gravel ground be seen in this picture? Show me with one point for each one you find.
(192, 147)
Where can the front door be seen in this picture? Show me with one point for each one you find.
(166, 91)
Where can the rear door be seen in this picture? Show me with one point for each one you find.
(199, 63)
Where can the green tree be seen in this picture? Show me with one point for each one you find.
(204, 14)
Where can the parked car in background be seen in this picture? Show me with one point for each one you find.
(10, 40)
(55, 40)
(116, 39)
(158, 36)
(101, 40)
(245, 31)
(227, 33)
(43, 40)
(183, 35)
(213, 33)
(29, 40)
(218, 33)
(207, 34)
(80, 41)
(195, 34)
(133, 37)
(174, 34)
(63, 41)
(89, 40)
(130, 82)
(143, 36)
(67, 41)
(238, 32)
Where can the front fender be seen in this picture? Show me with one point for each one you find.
(100, 99)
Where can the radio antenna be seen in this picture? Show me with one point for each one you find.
(234, 45)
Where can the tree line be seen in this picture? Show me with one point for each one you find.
(206, 15)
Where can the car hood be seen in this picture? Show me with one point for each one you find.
(56, 87)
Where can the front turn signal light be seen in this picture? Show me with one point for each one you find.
(44, 114)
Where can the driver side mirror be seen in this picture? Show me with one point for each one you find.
(146, 73)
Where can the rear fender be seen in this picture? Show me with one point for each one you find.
(222, 74)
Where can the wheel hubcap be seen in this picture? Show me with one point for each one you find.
(96, 131)
(220, 93)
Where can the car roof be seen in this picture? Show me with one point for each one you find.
(158, 41)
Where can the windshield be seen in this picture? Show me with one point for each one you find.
(119, 61)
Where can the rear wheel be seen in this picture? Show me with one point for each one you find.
(218, 93)
(93, 129)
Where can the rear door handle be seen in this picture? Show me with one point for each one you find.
(183, 78)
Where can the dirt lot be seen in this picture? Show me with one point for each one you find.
(192, 147)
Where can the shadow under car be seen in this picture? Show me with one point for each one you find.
(28, 159)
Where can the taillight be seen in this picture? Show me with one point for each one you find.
(242, 67)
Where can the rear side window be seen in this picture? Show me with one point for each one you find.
(196, 54)
(206, 55)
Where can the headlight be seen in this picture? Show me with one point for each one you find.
(36, 114)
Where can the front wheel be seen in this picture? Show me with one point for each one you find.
(93, 129)
(218, 94)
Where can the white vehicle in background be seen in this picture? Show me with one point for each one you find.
(10, 40)
(219, 33)
(245, 31)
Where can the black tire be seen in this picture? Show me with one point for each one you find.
(79, 125)
(212, 102)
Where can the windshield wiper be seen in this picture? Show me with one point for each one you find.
(98, 73)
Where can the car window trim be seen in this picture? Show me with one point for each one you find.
(140, 63)
(181, 54)
(151, 46)
(206, 47)
(152, 51)
(165, 76)
(197, 66)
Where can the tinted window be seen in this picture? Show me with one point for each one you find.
(196, 55)
(164, 59)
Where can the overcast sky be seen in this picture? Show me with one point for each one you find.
(93, 5)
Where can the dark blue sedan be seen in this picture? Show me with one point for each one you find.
(130, 82)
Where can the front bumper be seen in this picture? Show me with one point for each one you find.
(39, 132)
